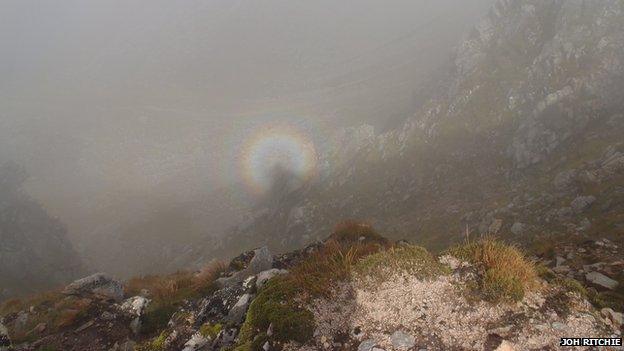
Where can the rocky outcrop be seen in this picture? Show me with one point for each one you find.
(260, 261)
(601, 280)
(98, 285)
(526, 120)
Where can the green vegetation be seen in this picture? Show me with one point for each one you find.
(507, 276)
(572, 285)
(276, 304)
(497, 285)
(610, 299)
(545, 273)
(157, 344)
(280, 302)
(210, 331)
(168, 292)
(411, 259)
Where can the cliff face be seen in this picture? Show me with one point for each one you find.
(533, 100)
(34, 250)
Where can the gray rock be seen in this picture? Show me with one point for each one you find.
(402, 341)
(561, 269)
(518, 228)
(616, 318)
(5, 341)
(264, 276)
(559, 261)
(601, 280)
(98, 284)
(582, 203)
(261, 261)
(196, 342)
(367, 345)
(135, 325)
(558, 326)
(237, 313)
(135, 305)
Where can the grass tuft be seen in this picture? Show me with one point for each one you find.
(507, 273)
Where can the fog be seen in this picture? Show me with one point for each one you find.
(117, 108)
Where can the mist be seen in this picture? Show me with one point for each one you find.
(119, 110)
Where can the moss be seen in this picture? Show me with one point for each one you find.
(276, 305)
(157, 344)
(572, 285)
(210, 331)
(411, 259)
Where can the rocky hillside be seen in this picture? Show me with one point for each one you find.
(354, 291)
(520, 137)
(35, 253)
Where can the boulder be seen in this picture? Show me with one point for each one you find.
(261, 261)
(237, 313)
(601, 280)
(402, 341)
(98, 284)
(265, 276)
(367, 345)
(582, 203)
(135, 305)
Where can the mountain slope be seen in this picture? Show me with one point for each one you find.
(35, 253)
(354, 290)
(534, 100)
